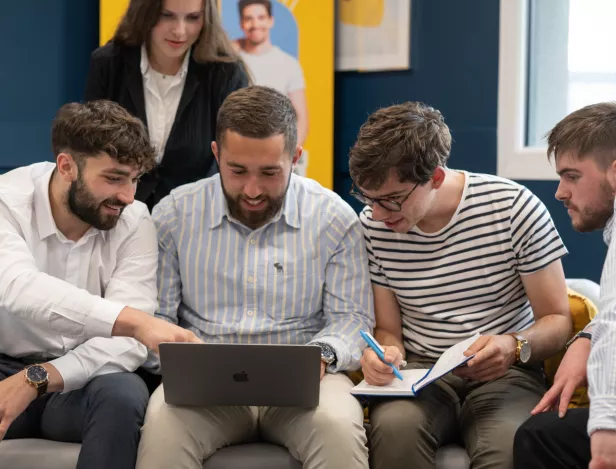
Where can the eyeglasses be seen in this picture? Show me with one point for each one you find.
(387, 204)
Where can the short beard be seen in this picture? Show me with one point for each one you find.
(254, 220)
(83, 205)
(596, 217)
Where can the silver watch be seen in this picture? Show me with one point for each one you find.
(328, 354)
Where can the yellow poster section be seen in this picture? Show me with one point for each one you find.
(315, 20)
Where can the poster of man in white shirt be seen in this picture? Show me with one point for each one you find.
(271, 58)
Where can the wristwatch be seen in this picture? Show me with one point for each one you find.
(522, 352)
(583, 334)
(328, 354)
(37, 376)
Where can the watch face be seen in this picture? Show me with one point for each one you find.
(525, 352)
(37, 374)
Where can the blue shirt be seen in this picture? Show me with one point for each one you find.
(301, 277)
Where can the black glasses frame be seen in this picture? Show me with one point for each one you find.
(387, 204)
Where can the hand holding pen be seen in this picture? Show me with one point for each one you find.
(380, 364)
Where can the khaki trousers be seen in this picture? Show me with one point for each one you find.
(331, 436)
(484, 417)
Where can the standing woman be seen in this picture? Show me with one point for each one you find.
(171, 64)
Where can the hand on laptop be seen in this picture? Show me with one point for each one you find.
(150, 331)
(375, 371)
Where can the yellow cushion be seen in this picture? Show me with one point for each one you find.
(582, 312)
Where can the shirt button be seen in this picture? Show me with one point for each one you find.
(249, 312)
(252, 241)
(250, 279)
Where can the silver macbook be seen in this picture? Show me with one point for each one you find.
(234, 374)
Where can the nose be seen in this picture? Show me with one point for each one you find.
(127, 194)
(561, 192)
(379, 213)
(252, 188)
(179, 28)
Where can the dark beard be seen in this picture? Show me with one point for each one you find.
(83, 205)
(254, 220)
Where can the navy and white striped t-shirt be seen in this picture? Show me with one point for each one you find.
(465, 278)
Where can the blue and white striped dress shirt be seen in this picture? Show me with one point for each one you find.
(602, 360)
(302, 277)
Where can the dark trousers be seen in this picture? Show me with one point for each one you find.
(547, 441)
(105, 416)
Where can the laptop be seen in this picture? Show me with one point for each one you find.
(237, 374)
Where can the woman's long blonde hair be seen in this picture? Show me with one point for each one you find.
(141, 16)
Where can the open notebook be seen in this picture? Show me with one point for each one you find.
(415, 380)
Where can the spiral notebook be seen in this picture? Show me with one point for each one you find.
(415, 380)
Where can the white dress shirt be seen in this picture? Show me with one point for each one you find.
(59, 298)
(602, 360)
(162, 95)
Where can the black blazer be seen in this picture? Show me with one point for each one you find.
(115, 74)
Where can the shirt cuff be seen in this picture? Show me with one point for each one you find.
(343, 357)
(100, 321)
(72, 372)
(602, 414)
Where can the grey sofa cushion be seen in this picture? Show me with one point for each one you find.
(253, 456)
(36, 454)
(29, 453)
(452, 457)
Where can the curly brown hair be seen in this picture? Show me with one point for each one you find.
(589, 130)
(102, 126)
(411, 138)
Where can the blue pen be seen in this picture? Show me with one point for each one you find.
(374, 345)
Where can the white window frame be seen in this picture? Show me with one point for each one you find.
(515, 160)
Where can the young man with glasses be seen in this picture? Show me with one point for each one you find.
(451, 254)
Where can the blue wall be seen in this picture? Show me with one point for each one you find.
(47, 47)
(454, 68)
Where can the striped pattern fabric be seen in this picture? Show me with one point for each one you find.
(301, 277)
(465, 278)
(602, 360)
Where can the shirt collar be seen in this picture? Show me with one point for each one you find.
(609, 227)
(42, 210)
(290, 210)
(145, 63)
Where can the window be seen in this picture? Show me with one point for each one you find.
(556, 56)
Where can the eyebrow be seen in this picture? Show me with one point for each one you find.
(118, 172)
(567, 170)
(191, 13)
(391, 194)
(262, 168)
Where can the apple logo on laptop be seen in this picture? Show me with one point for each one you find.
(240, 377)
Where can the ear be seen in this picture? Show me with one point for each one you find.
(297, 155)
(215, 151)
(67, 167)
(438, 177)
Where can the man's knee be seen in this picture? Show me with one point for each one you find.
(339, 428)
(398, 419)
(124, 394)
(533, 430)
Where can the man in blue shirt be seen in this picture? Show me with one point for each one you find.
(259, 255)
